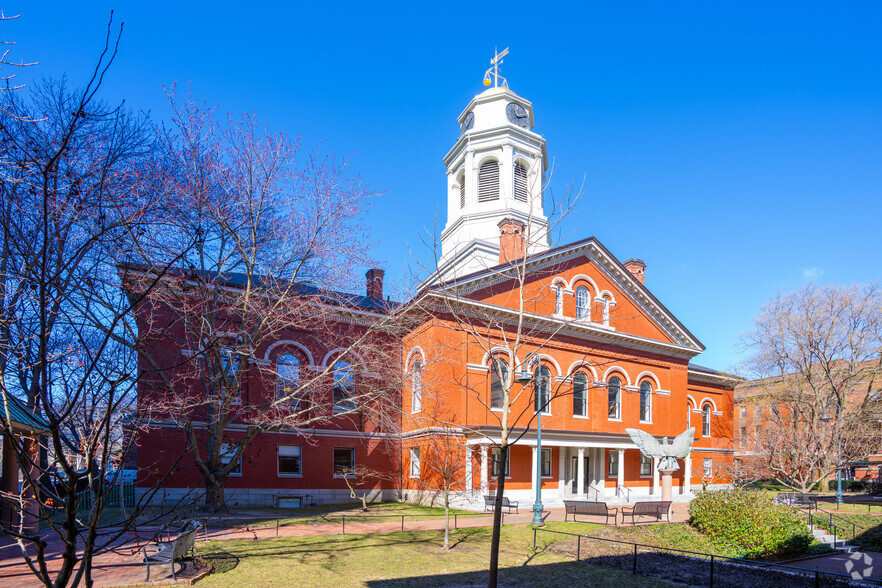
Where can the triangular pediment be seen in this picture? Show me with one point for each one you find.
(634, 313)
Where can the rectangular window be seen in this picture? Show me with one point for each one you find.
(228, 450)
(743, 438)
(230, 378)
(613, 463)
(580, 394)
(344, 461)
(743, 411)
(498, 376)
(645, 465)
(289, 460)
(708, 467)
(546, 463)
(496, 457)
(759, 410)
(414, 462)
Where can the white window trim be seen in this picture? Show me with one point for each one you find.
(418, 464)
(614, 420)
(550, 463)
(578, 416)
(285, 474)
(354, 464)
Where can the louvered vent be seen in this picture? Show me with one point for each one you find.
(488, 181)
(520, 182)
(462, 190)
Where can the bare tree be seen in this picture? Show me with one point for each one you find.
(77, 189)
(275, 245)
(818, 351)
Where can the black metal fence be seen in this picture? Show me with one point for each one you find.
(713, 561)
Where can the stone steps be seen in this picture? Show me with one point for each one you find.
(823, 536)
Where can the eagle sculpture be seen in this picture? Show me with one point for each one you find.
(668, 454)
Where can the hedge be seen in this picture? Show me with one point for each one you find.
(750, 523)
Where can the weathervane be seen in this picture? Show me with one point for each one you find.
(494, 69)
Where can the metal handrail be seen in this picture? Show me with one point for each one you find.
(627, 492)
(711, 556)
(854, 525)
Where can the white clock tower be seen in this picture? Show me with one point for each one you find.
(495, 172)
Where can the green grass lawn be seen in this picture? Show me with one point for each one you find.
(405, 559)
(332, 512)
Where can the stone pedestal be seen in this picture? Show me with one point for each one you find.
(666, 481)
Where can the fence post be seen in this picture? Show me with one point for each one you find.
(277, 527)
(344, 524)
(454, 522)
(578, 548)
(712, 572)
(402, 522)
(634, 567)
(534, 538)
(817, 580)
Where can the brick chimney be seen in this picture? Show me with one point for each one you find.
(374, 279)
(512, 240)
(637, 268)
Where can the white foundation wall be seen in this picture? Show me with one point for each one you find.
(266, 497)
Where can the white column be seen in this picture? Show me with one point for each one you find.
(687, 473)
(601, 470)
(533, 480)
(620, 479)
(484, 473)
(580, 473)
(656, 488)
(561, 470)
(469, 484)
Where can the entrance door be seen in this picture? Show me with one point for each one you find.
(574, 473)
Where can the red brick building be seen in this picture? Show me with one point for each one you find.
(611, 354)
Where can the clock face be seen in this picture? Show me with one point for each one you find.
(467, 123)
(517, 115)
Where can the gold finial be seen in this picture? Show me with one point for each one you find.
(494, 69)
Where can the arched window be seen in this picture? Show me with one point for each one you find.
(520, 182)
(416, 385)
(582, 302)
(461, 181)
(558, 300)
(688, 414)
(645, 402)
(606, 303)
(542, 388)
(498, 375)
(705, 420)
(343, 381)
(615, 398)
(580, 394)
(488, 181)
(287, 377)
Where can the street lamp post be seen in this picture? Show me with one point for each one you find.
(525, 378)
(826, 417)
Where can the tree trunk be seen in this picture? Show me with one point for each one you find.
(497, 519)
(446, 520)
(214, 496)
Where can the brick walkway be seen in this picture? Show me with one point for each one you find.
(123, 567)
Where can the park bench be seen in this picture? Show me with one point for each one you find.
(490, 503)
(656, 508)
(168, 552)
(589, 508)
(797, 499)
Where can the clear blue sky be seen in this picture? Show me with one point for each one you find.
(735, 147)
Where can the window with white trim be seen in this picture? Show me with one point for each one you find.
(606, 303)
(416, 384)
(227, 453)
(289, 460)
(344, 461)
(488, 181)
(495, 458)
(645, 402)
(645, 465)
(708, 467)
(705, 420)
(613, 463)
(498, 376)
(614, 395)
(580, 394)
(558, 300)
(414, 462)
(688, 414)
(231, 381)
(743, 411)
(520, 182)
(542, 389)
(546, 463)
(343, 383)
(287, 379)
(583, 303)
(462, 198)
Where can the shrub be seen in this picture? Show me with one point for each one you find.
(750, 523)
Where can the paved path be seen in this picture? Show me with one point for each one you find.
(860, 564)
(122, 566)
